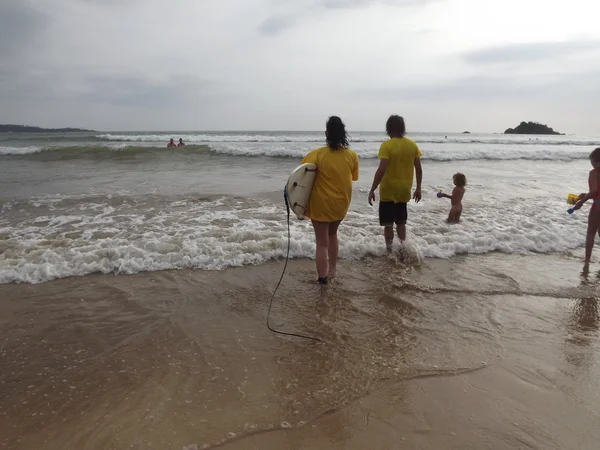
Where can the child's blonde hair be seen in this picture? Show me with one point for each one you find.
(459, 179)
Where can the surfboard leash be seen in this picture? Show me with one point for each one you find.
(287, 258)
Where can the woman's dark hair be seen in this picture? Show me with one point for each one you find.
(394, 127)
(459, 179)
(337, 137)
(595, 155)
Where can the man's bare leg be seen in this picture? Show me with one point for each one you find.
(401, 229)
(388, 232)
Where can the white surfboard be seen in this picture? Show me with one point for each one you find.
(299, 186)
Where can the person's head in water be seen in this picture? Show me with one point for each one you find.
(180, 141)
(335, 131)
(459, 180)
(394, 127)
(171, 141)
(595, 158)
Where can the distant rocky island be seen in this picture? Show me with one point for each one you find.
(29, 129)
(532, 128)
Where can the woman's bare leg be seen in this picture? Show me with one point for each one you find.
(322, 241)
(333, 248)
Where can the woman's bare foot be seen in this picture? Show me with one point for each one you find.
(586, 268)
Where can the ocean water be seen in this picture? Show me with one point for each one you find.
(78, 203)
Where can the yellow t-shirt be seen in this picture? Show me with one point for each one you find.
(332, 191)
(398, 179)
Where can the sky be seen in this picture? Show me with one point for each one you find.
(445, 65)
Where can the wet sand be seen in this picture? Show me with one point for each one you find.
(477, 352)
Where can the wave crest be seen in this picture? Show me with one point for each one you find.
(363, 138)
(120, 151)
(76, 236)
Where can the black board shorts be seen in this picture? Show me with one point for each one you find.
(392, 213)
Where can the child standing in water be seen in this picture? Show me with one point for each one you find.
(460, 181)
(594, 217)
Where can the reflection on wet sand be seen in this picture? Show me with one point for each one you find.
(585, 315)
(582, 333)
(583, 324)
(431, 357)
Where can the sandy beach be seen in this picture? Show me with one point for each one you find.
(491, 351)
(147, 211)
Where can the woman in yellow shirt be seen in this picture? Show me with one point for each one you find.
(337, 167)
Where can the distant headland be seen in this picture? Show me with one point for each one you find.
(29, 129)
(532, 128)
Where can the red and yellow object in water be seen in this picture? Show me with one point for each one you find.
(572, 199)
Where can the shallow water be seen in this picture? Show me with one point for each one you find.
(175, 359)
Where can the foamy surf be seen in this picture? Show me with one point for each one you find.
(438, 147)
(124, 203)
(83, 151)
(443, 153)
(61, 238)
(406, 254)
(361, 137)
(28, 150)
(295, 150)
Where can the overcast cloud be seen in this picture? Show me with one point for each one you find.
(446, 65)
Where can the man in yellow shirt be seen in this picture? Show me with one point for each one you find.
(399, 158)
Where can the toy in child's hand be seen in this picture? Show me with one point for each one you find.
(440, 194)
(572, 199)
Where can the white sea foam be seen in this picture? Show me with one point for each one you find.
(299, 150)
(444, 153)
(20, 150)
(297, 144)
(361, 137)
(30, 150)
(213, 235)
(201, 138)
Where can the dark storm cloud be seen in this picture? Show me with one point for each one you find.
(530, 51)
(493, 88)
(108, 2)
(117, 90)
(19, 24)
(16, 84)
(130, 90)
(276, 24)
(338, 4)
(232, 63)
(279, 22)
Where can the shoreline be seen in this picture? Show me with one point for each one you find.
(451, 354)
